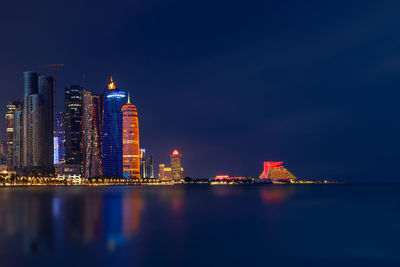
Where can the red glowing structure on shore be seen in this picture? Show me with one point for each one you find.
(222, 177)
(275, 170)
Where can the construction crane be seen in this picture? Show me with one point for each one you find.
(54, 67)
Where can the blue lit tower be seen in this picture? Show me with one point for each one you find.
(60, 137)
(114, 99)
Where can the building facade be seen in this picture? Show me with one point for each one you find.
(3, 154)
(91, 134)
(146, 165)
(111, 138)
(176, 166)
(60, 139)
(164, 173)
(45, 89)
(72, 122)
(12, 106)
(18, 138)
(130, 140)
(38, 123)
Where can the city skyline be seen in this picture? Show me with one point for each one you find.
(251, 83)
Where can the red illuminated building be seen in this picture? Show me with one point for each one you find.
(275, 170)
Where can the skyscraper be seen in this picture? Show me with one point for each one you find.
(176, 165)
(33, 145)
(60, 138)
(146, 165)
(114, 99)
(130, 139)
(3, 153)
(91, 134)
(38, 122)
(18, 137)
(46, 99)
(72, 122)
(10, 131)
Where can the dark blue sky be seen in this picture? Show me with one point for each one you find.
(230, 83)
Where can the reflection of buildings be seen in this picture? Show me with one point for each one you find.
(146, 165)
(33, 222)
(92, 215)
(131, 205)
(130, 139)
(25, 218)
(275, 195)
(114, 99)
(176, 166)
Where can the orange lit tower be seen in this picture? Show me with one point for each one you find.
(130, 140)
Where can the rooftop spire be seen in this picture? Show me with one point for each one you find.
(129, 99)
(111, 85)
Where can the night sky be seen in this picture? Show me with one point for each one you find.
(229, 83)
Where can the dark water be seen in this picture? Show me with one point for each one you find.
(199, 225)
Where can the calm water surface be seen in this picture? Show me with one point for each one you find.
(201, 225)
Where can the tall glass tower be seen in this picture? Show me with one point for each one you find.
(72, 124)
(91, 134)
(114, 99)
(46, 95)
(60, 135)
(130, 139)
(12, 108)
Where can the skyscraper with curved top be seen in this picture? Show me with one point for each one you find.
(111, 137)
(130, 139)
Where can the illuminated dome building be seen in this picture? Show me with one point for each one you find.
(111, 137)
(130, 139)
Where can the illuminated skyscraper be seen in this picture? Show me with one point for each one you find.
(176, 166)
(18, 137)
(3, 153)
(130, 139)
(72, 122)
(10, 132)
(146, 165)
(60, 138)
(91, 134)
(112, 144)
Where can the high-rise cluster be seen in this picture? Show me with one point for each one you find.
(30, 126)
(97, 135)
(175, 172)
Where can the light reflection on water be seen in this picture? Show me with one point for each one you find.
(199, 225)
